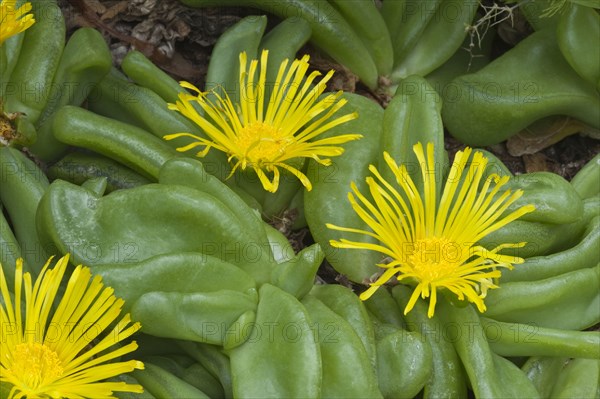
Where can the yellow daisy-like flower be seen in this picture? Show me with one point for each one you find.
(14, 20)
(432, 241)
(266, 140)
(62, 351)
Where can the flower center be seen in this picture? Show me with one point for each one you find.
(7, 131)
(35, 364)
(259, 141)
(433, 258)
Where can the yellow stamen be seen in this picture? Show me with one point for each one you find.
(36, 364)
(262, 142)
(433, 258)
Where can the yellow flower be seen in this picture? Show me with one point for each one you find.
(14, 20)
(265, 140)
(432, 241)
(61, 351)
